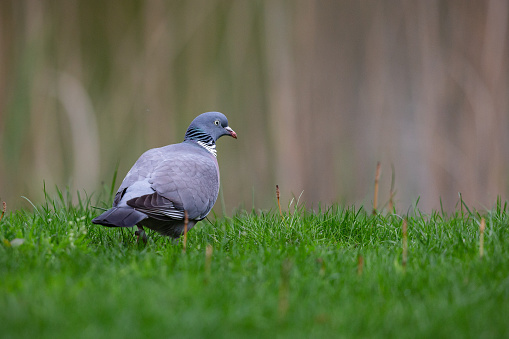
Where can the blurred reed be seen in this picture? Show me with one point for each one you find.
(318, 92)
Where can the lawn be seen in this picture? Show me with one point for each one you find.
(335, 272)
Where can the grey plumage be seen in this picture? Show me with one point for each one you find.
(164, 182)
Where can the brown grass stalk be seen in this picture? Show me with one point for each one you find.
(391, 192)
(377, 178)
(3, 210)
(278, 203)
(360, 265)
(208, 260)
(321, 262)
(186, 221)
(405, 244)
(284, 288)
(481, 237)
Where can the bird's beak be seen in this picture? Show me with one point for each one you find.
(232, 132)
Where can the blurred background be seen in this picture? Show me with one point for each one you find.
(318, 92)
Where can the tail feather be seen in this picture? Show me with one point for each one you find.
(120, 217)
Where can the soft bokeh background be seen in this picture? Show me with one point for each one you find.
(318, 92)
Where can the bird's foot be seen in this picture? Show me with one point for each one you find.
(141, 232)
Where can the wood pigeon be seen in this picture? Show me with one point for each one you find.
(169, 181)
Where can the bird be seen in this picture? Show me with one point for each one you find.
(172, 185)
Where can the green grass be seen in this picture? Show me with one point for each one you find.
(296, 278)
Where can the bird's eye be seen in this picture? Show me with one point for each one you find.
(216, 122)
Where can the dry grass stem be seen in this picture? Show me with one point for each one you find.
(405, 244)
(481, 237)
(278, 203)
(377, 178)
(360, 265)
(391, 192)
(321, 262)
(186, 221)
(284, 288)
(208, 259)
(4, 208)
(461, 204)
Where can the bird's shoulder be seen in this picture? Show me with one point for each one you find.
(175, 155)
(188, 168)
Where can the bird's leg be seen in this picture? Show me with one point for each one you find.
(186, 221)
(141, 232)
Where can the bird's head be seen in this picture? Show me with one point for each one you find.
(212, 125)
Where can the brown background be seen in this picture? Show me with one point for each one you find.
(318, 92)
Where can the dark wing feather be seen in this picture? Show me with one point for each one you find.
(157, 207)
(119, 196)
(142, 169)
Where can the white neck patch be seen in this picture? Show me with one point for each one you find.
(208, 147)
